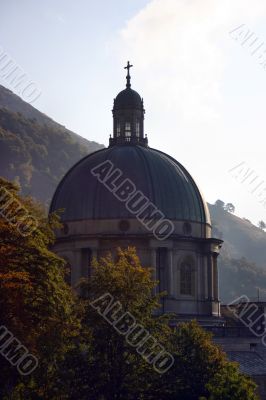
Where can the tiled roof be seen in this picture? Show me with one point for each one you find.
(250, 362)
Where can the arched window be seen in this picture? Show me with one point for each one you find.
(127, 129)
(118, 129)
(186, 278)
(137, 129)
(86, 262)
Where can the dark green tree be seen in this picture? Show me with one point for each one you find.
(201, 369)
(104, 366)
(230, 384)
(115, 370)
(219, 204)
(36, 304)
(229, 207)
(262, 225)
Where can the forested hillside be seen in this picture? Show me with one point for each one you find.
(12, 102)
(34, 150)
(243, 257)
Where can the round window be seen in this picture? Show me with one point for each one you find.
(124, 225)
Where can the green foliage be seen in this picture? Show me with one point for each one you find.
(36, 304)
(105, 367)
(262, 225)
(230, 384)
(115, 370)
(242, 266)
(202, 369)
(36, 153)
(198, 356)
(81, 355)
(229, 207)
(220, 204)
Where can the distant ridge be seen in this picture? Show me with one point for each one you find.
(242, 263)
(12, 102)
(241, 238)
(35, 150)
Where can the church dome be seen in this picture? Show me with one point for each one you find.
(164, 181)
(130, 194)
(128, 98)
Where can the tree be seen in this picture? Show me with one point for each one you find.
(106, 367)
(230, 384)
(86, 346)
(262, 225)
(115, 369)
(201, 369)
(220, 204)
(36, 304)
(229, 207)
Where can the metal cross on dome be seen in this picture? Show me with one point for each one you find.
(128, 73)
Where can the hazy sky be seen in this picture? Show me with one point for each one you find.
(204, 88)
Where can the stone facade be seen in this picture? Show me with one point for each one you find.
(185, 266)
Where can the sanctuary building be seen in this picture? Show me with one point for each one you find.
(130, 194)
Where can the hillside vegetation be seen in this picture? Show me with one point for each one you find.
(241, 238)
(242, 263)
(34, 150)
(12, 102)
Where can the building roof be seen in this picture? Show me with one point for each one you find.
(250, 362)
(128, 99)
(164, 181)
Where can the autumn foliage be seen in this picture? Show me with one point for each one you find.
(81, 356)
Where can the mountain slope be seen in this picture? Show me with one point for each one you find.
(238, 277)
(35, 150)
(242, 263)
(12, 102)
(241, 238)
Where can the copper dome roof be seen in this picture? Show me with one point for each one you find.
(164, 181)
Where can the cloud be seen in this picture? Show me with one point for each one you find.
(177, 46)
(196, 82)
